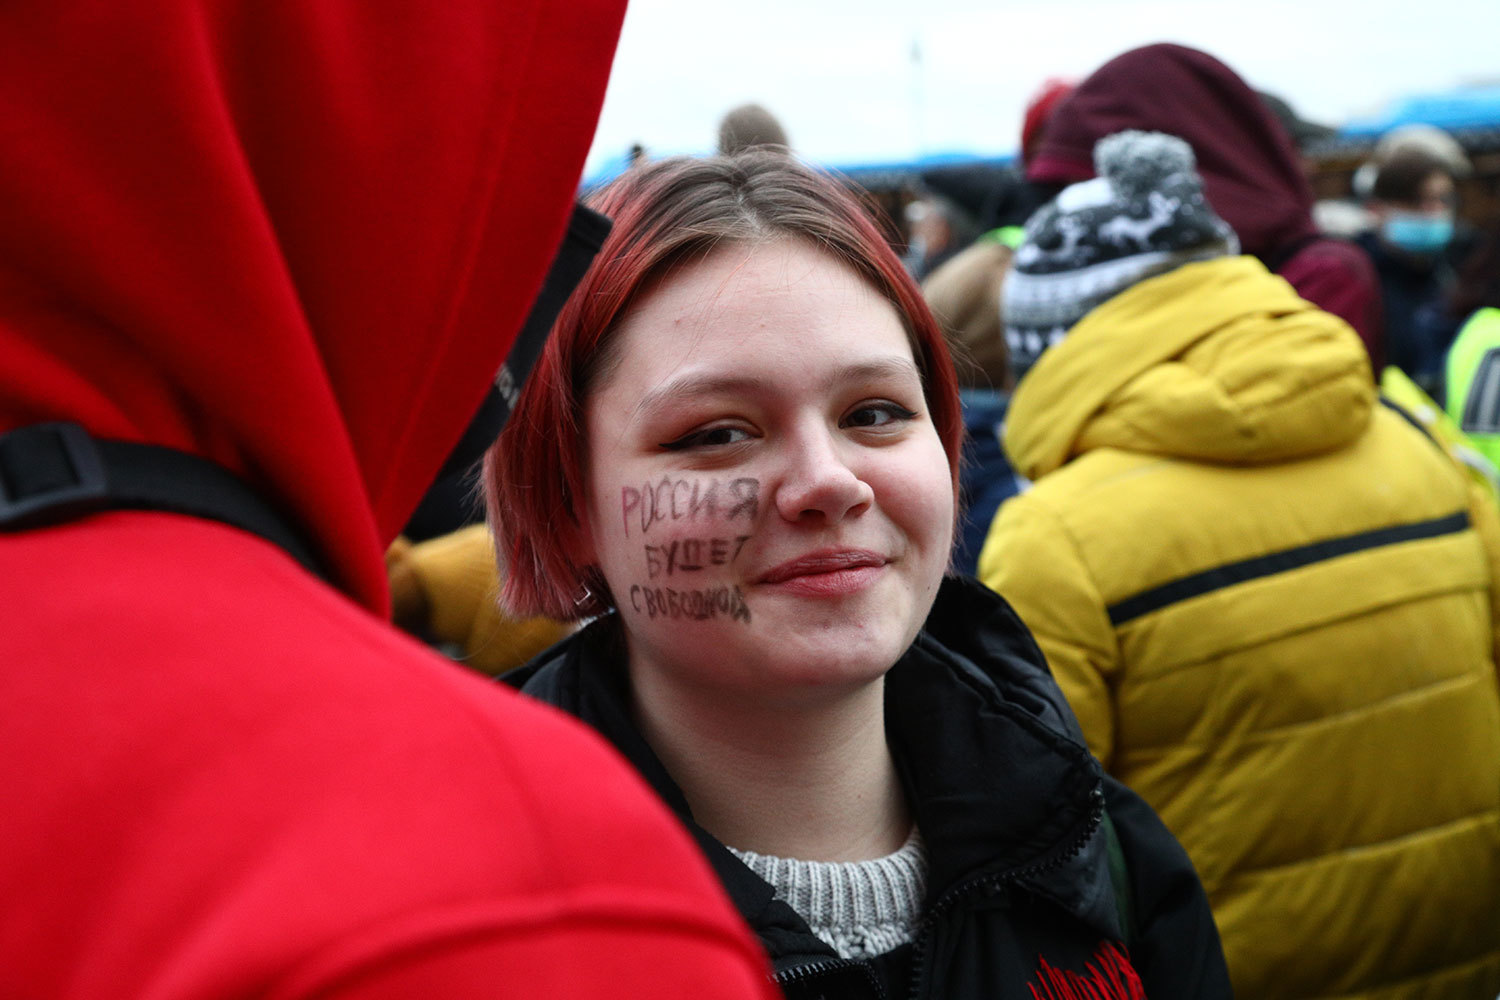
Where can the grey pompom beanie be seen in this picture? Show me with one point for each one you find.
(1143, 215)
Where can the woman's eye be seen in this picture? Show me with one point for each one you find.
(712, 437)
(878, 415)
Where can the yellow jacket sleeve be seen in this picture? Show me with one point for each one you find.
(1030, 559)
(449, 587)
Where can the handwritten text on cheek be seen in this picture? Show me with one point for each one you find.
(689, 555)
(698, 605)
(689, 500)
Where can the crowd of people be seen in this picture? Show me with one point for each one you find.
(1098, 596)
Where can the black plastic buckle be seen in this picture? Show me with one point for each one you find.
(49, 473)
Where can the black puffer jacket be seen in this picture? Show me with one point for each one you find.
(1010, 805)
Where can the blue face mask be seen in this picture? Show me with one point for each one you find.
(1419, 234)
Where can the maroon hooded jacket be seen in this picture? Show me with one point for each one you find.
(296, 238)
(1249, 166)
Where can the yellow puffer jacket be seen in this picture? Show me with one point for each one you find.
(1271, 602)
(447, 590)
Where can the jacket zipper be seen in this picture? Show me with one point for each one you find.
(822, 967)
(1071, 850)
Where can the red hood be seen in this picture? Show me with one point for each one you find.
(294, 238)
(1251, 172)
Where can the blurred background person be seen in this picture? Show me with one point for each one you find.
(1271, 602)
(1251, 172)
(1413, 204)
(938, 228)
(747, 126)
(1429, 139)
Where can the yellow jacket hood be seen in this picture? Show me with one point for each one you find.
(1193, 364)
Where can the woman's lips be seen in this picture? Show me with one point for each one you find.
(832, 573)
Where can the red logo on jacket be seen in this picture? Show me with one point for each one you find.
(1109, 976)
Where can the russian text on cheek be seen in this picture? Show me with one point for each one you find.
(689, 499)
(695, 605)
(691, 555)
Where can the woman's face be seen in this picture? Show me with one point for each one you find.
(767, 496)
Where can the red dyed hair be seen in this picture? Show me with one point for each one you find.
(667, 213)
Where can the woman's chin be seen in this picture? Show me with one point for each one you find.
(829, 665)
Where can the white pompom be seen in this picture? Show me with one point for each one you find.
(1135, 162)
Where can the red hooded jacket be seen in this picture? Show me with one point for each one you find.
(296, 239)
(1250, 169)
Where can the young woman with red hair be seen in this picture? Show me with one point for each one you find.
(737, 456)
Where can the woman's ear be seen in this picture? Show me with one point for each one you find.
(593, 596)
(577, 538)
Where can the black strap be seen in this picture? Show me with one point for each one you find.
(580, 245)
(52, 473)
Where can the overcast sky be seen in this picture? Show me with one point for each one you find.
(880, 80)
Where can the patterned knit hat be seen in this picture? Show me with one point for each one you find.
(1142, 216)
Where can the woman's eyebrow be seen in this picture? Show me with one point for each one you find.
(894, 366)
(710, 384)
(689, 386)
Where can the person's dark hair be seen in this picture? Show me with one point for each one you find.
(1399, 180)
(669, 213)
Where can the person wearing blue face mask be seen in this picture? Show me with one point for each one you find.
(1418, 233)
(1412, 244)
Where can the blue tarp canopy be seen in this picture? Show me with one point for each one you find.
(866, 172)
(1454, 110)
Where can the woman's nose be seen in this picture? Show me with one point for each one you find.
(818, 482)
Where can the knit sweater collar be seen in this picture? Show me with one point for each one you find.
(858, 908)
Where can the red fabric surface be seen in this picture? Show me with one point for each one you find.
(265, 792)
(296, 238)
(370, 195)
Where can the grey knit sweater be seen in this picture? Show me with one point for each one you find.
(860, 908)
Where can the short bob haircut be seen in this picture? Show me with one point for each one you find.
(667, 214)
